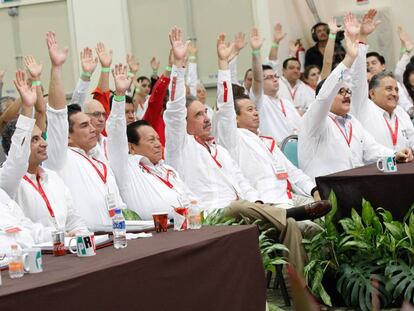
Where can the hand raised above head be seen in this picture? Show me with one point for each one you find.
(121, 78)
(104, 55)
(178, 46)
(34, 69)
(278, 34)
(57, 56)
(27, 93)
(256, 41)
(133, 65)
(88, 63)
(224, 48)
(368, 23)
(333, 26)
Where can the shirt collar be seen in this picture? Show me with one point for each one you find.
(42, 173)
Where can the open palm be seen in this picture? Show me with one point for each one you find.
(224, 48)
(57, 56)
(352, 26)
(368, 24)
(177, 45)
(256, 40)
(121, 78)
(28, 94)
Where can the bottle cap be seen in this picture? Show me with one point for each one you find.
(13, 246)
(117, 211)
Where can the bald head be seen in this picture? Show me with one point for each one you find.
(96, 112)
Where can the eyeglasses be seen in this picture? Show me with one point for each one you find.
(343, 91)
(97, 114)
(271, 77)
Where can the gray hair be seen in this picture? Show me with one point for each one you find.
(189, 100)
(376, 79)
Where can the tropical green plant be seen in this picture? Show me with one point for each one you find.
(371, 247)
(129, 214)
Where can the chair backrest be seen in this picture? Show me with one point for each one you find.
(289, 147)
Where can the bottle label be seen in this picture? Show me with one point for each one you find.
(118, 225)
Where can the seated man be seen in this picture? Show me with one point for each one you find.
(40, 192)
(145, 182)
(15, 228)
(71, 142)
(259, 158)
(209, 170)
(279, 116)
(380, 114)
(97, 113)
(331, 139)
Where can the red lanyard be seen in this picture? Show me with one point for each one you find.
(292, 95)
(348, 140)
(394, 134)
(282, 107)
(165, 181)
(102, 176)
(272, 144)
(42, 193)
(173, 86)
(214, 157)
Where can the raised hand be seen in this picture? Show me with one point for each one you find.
(178, 46)
(351, 47)
(256, 41)
(352, 26)
(238, 44)
(405, 39)
(333, 26)
(57, 56)
(155, 64)
(293, 48)
(368, 24)
(121, 78)
(278, 34)
(224, 48)
(27, 93)
(132, 64)
(34, 69)
(88, 63)
(104, 55)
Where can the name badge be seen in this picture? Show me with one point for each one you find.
(281, 173)
(110, 202)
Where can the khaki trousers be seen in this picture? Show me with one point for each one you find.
(273, 216)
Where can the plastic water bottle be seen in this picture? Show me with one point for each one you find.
(16, 268)
(119, 229)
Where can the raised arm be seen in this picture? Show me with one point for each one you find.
(116, 127)
(34, 71)
(239, 44)
(176, 113)
(88, 64)
(57, 127)
(329, 49)
(192, 74)
(226, 116)
(278, 35)
(256, 42)
(105, 59)
(315, 117)
(16, 164)
(407, 47)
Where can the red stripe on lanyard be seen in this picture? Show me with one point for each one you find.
(214, 157)
(102, 176)
(292, 95)
(394, 134)
(173, 86)
(282, 107)
(289, 190)
(273, 142)
(348, 140)
(165, 181)
(226, 90)
(42, 193)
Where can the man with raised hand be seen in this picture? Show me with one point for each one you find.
(332, 140)
(380, 114)
(208, 169)
(145, 182)
(259, 158)
(40, 192)
(73, 138)
(279, 116)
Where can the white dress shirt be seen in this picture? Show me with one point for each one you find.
(74, 166)
(12, 217)
(302, 95)
(24, 188)
(211, 175)
(376, 120)
(80, 92)
(259, 158)
(405, 100)
(145, 187)
(278, 117)
(323, 148)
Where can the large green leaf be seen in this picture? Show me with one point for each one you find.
(401, 280)
(367, 212)
(130, 214)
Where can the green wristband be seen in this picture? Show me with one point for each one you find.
(86, 74)
(193, 58)
(36, 83)
(168, 68)
(332, 36)
(119, 98)
(131, 75)
(403, 50)
(255, 52)
(137, 90)
(275, 45)
(105, 69)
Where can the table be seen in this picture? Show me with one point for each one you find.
(214, 268)
(392, 191)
